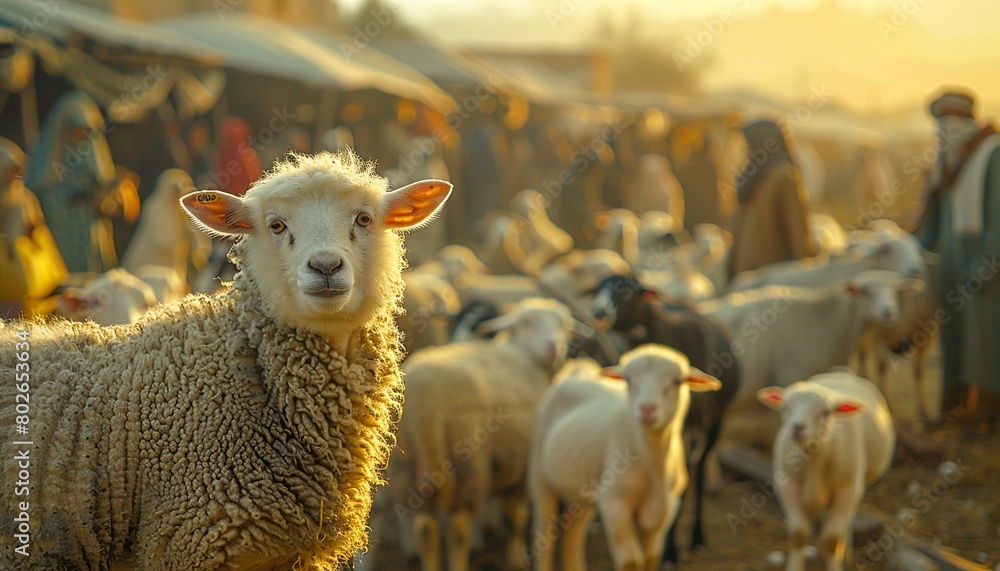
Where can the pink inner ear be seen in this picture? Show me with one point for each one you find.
(774, 397)
(610, 373)
(848, 407)
(697, 380)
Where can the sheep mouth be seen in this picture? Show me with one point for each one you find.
(326, 292)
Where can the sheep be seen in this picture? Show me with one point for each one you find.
(163, 236)
(542, 240)
(615, 449)
(836, 438)
(466, 427)
(822, 325)
(900, 253)
(115, 297)
(911, 336)
(242, 430)
(622, 303)
(570, 277)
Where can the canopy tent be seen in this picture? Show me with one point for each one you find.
(128, 67)
(539, 83)
(68, 23)
(258, 45)
(446, 66)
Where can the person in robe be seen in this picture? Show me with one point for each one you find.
(78, 186)
(961, 222)
(772, 211)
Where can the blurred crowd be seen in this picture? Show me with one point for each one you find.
(70, 215)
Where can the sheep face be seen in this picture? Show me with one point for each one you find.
(541, 327)
(319, 237)
(809, 413)
(904, 254)
(113, 298)
(660, 381)
(881, 290)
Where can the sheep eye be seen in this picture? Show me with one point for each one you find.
(277, 226)
(363, 219)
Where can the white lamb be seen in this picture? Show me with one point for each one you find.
(896, 252)
(782, 334)
(466, 428)
(115, 297)
(613, 448)
(836, 438)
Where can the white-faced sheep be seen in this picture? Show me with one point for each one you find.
(245, 430)
(836, 438)
(823, 326)
(896, 252)
(613, 448)
(466, 428)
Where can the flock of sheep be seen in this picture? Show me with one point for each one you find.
(253, 428)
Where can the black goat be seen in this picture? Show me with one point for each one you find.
(622, 304)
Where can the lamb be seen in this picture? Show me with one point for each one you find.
(613, 448)
(115, 297)
(836, 438)
(823, 325)
(623, 304)
(428, 302)
(243, 430)
(467, 425)
(899, 253)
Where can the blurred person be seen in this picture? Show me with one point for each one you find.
(30, 262)
(78, 186)
(239, 166)
(770, 223)
(961, 221)
(694, 165)
(656, 188)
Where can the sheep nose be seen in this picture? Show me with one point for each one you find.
(798, 428)
(326, 264)
(887, 314)
(647, 410)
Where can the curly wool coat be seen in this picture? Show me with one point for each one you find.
(207, 436)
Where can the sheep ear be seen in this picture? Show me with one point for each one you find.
(853, 288)
(849, 407)
(497, 324)
(615, 372)
(71, 300)
(911, 285)
(415, 204)
(772, 397)
(701, 382)
(217, 213)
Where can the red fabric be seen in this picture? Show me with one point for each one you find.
(239, 165)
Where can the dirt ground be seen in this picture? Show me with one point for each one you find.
(956, 505)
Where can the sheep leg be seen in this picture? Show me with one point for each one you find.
(427, 536)
(835, 530)
(458, 540)
(515, 511)
(546, 507)
(711, 438)
(799, 531)
(573, 549)
(619, 528)
(652, 544)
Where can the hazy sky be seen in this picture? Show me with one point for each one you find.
(873, 55)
